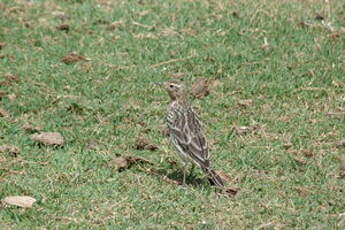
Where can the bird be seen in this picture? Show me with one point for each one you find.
(186, 132)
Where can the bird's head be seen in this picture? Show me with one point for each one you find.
(175, 89)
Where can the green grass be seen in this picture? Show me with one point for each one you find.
(110, 100)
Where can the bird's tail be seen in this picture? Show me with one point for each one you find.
(214, 178)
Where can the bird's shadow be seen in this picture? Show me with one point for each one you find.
(176, 177)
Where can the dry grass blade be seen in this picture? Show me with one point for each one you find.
(48, 138)
(141, 36)
(142, 25)
(245, 102)
(115, 25)
(177, 75)
(73, 58)
(20, 201)
(269, 225)
(243, 130)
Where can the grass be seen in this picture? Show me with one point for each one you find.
(286, 169)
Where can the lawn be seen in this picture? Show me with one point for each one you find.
(275, 113)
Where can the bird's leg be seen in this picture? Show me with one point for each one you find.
(184, 174)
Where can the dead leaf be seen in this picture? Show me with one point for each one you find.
(48, 138)
(11, 77)
(216, 84)
(302, 191)
(235, 14)
(287, 145)
(2, 94)
(73, 58)
(245, 102)
(189, 227)
(119, 163)
(308, 153)
(231, 191)
(319, 17)
(31, 128)
(341, 144)
(20, 201)
(10, 57)
(3, 113)
(299, 161)
(125, 162)
(341, 109)
(168, 32)
(92, 145)
(63, 27)
(144, 143)
(334, 35)
(200, 88)
(2, 45)
(242, 129)
(115, 25)
(338, 111)
(11, 96)
(342, 171)
(11, 149)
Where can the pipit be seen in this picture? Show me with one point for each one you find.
(186, 133)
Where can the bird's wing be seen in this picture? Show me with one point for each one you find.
(188, 136)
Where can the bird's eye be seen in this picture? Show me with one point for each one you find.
(171, 86)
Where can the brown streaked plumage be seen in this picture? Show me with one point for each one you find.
(186, 132)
